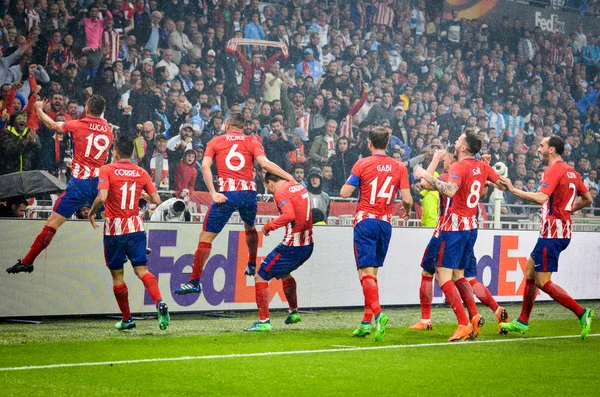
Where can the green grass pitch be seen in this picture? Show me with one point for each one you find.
(201, 355)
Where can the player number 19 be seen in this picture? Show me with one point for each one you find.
(100, 142)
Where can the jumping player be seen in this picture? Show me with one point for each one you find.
(378, 179)
(458, 233)
(294, 205)
(92, 137)
(234, 154)
(429, 260)
(120, 187)
(557, 194)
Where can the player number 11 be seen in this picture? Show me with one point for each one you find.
(131, 195)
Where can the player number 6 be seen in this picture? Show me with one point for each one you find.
(233, 154)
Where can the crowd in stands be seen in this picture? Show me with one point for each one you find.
(170, 80)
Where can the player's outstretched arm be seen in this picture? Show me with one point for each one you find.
(208, 179)
(448, 189)
(537, 197)
(287, 216)
(98, 202)
(582, 202)
(48, 122)
(273, 168)
(407, 202)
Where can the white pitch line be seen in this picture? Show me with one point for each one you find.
(346, 346)
(285, 353)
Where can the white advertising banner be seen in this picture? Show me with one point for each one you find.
(71, 277)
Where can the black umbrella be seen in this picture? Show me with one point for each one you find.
(29, 183)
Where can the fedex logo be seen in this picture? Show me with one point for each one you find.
(552, 25)
(230, 268)
(506, 268)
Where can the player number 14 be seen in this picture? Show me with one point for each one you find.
(386, 191)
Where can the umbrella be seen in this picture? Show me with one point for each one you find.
(29, 183)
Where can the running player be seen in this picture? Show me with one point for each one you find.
(120, 187)
(378, 179)
(458, 233)
(557, 194)
(429, 260)
(294, 206)
(234, 154)
(92, 137)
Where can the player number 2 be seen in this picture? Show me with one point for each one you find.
(384, 192)
(100, 142)
(473, 197)
(569, 205)
(234, 155)
(131, 192)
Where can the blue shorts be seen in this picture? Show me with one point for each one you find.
(456, 250)
(371, 241)
(283, 260)
(118, 249)
(218, 215)
(79, 192)
(546, 253)
(430, 256)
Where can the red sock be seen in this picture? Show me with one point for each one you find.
(289, 289)
(252, 243)
(561, 296)
(151, 285)
(39, 244)
(368, 315)
(426, 296)
(200, 257)
(528, 300)
(483, 294)
(466, 293)
(453, 297)
(261, 291)
(371, 292)
(122, 295)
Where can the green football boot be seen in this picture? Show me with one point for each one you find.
(260, 326)
(515, 325)
(381, 322)
(164, 319)
(124, 325)
(586, 322)
(363, 330)
(292, 318)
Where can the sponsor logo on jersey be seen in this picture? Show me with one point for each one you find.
(124, 172)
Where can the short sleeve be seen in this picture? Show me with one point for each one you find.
(210, 150)
(404, 184)
(455, 175)
(257, 148)
(70, 126)
(549, 182)
(355, 175)
(104, 178)
(581, 188)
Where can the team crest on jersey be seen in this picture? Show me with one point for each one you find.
(476, 171)
(384, 168)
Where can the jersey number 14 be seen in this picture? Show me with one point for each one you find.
(386, 191)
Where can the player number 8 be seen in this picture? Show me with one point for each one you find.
(233, 154)
(473, 197)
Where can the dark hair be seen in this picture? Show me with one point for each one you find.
(236, 120)
(297, 166)
(96, 105)
(272, 178)
(124, 146)
(557, 143)
(473, 142)
(379, 138)
(317, 215)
